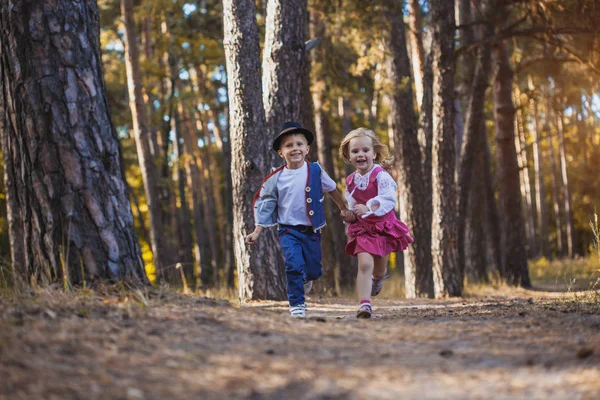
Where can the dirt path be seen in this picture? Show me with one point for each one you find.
(113, 346)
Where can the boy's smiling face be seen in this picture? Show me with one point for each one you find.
(293, 148)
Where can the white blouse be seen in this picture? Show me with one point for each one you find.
(386, 193)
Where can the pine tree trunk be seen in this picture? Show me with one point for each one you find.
(415, 26)
(514, 257)
(446, 274)
(476, 236)
(417, 261)
(13, 216)
(64, 154)
(555, 185)
(196, 185)
(472, 146)
(565, 186)
(260, 272)
(540, 190)
(185, 255)
(283, 62)
(494, 228)
(140, 130)
(520, 146)
(343, 274)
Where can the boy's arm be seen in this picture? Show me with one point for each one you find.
(337, 198)
(251, 238)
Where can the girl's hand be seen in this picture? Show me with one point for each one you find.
(361, 209)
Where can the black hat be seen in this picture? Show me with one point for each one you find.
(292, 127)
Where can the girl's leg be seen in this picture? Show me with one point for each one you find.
(363, 279)
(380, 266)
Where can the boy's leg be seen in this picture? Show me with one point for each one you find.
(311, 251)
(294, 266)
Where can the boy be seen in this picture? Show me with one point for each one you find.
(291, 197)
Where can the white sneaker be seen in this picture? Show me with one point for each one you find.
(298, 311)
(364, 311)
(307, 287)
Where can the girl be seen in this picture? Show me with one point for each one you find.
(374, 229)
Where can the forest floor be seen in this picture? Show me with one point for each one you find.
(157, 344)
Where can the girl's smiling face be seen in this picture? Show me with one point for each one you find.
(361, 155)
(293, 149)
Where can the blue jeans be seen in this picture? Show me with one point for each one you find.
(302, 253)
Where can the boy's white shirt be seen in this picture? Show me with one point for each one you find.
(291, 199)
(386, 193)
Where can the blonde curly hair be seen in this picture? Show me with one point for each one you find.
(381, 151)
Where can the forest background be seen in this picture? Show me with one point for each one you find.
(493, 119)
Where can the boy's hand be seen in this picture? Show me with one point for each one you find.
(348, 216)
(251, 238)
(361, 209)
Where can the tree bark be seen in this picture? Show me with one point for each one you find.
(555, 186)
(183, 210)
(494, 228)
(415, 27)
(260, 274)
(446, 275)
(336, 266)
(476, 236)
(514, 257)
(193, 163)
(13, 216)
(540, 190)
(570, 234)
(283, 61)
(520, 146)
(64, 153)
(472, 146)
(413, 194)
(150, 175)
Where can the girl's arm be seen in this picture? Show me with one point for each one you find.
(385, 201)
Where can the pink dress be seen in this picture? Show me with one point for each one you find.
(376, 235)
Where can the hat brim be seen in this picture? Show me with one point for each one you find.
(307, 134)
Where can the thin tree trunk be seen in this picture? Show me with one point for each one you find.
(336, 270)
(417, 261)
(415, 26)
(64, 152)
(345, 113)
(446, 274)
(476, 235)
(540, 190)
(514, 256)
(196, 184)
(555, 185)
(472, 145)
(140, 130)
(565, 185)
(520, 146)
(259, 268)
(149, 91)
(494, 228)
(183, 211)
